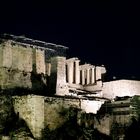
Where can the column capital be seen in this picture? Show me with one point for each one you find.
(72, 59)
(86, 66)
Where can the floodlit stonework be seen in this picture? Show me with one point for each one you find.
(44, 83)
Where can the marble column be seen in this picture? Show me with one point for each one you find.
(70, 71)
(83, 77)
(92, 75)
(98, 73)
(77, 72)
(88, 76)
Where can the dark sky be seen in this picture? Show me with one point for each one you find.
(98, 32)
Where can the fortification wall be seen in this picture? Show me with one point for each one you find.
(15, 56)
(39, 111)
(57, 111)
(17, 63)
(52, 112)
(10, 79)
(31, 109)
(120, 88)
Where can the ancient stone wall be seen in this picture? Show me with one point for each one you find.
(7, 55)
(58, 76)
(16, 57)
(120, 88)
(56, 110)
(91, 106)
(40, 61)
(17, 63)
(40, 111)
(31, 109)
(10, 79)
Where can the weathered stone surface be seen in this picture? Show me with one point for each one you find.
(91, 106)
(56, 110)
(40, 61)
(120, 88)
(58, 76)
(31, 109)
(17, 64)
(16, 57)
(13, 78)
(11, 126)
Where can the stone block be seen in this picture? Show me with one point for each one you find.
(40, 61)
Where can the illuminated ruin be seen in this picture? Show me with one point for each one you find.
(42, 74)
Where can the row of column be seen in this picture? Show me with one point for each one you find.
(91, 74)
(83, 74)
(73, 73)
(87, 76)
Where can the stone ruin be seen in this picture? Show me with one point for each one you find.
(37, 73)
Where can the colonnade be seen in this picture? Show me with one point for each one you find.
(83, 74)
(73, 73)
(87, 74)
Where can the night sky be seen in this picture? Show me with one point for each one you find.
(98, 32)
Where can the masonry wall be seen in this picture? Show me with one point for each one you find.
(40, 61)
(16, 57)
(31, 109)
(14, 78)
(17, 63)
(91, 106)
(57, 111)
(121, 88)
(58, 76)
(39, 111)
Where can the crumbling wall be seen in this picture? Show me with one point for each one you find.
(54, 112)
(40, 112)
(57, 110)
(31, 109)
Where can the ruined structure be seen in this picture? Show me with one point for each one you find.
(43, 81)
